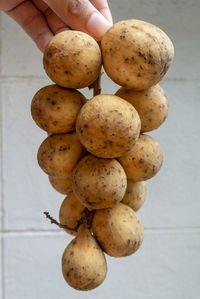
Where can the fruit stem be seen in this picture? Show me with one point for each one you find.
(96, 86)
(83, 219)
(90, 218)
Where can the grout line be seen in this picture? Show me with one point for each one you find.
(2, 269)
(33, 234)
(0, 42)
(40, 77)
(189, 229)
(28, 77)
(1, 182)
(148, 230)
(32, 231)
(1, 197)
(1, 178)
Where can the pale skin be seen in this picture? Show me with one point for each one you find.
(42, 19)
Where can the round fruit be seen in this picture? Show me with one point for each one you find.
(72, 59)
(144, 160)
(83, 263)
(71, 212)
(62, 185)
(108, 126)
(55, 109)
(135, 195)
(118, 230)
(151, 105)
(58, 154)
(99, 183)
(136, 54)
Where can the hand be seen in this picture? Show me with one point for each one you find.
(43, 19)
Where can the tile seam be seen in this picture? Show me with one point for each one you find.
(28, 77)
(1, 174)
(0, 43)
(2, 268)
(57, 232)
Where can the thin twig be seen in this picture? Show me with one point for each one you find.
(79, 222)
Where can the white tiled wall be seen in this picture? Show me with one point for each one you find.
(167, 265)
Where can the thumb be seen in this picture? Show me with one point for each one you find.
(82, 15)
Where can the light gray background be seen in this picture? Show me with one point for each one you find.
(168, 263)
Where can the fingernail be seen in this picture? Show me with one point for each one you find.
(97, 25)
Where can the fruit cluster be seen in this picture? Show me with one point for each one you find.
(96, 152)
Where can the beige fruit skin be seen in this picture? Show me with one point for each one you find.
(83, 263)
(99, 183)
(108, 126)
(55, 109)
(151, 105)
(62, 185)
(135, 195)
(72, 59)
(70, 212)
(58, 154)
(118, 230)
(144, 160)
(136, 54)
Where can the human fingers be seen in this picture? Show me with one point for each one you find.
(33, 22)
(55, 23)
(80, 15)
(103, 8)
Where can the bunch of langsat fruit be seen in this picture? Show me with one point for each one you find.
(96, 152)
